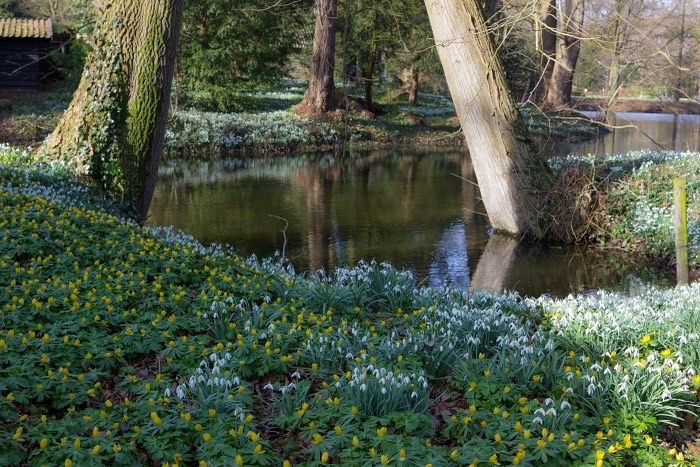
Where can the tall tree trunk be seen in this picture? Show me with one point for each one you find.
(113, 130)
(513, 179)
(617, 32)
(546, 45)
(320, 96)
(678, 91)
(413, 86)
(568, 47)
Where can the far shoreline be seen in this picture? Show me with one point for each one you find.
(655, 106)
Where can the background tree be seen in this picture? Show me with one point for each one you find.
(513, 179)
(224, 50)
(569, 31)
(320, 95)
(113, 130)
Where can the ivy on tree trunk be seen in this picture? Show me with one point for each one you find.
(113, 130)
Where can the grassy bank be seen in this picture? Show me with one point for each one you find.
(271, 126)
(128, 346)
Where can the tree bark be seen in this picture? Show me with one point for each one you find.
(113, 130)
(320, 96)
(678, 90)
(546, 46)
(567, 51)
(413, 86)
(513, 179)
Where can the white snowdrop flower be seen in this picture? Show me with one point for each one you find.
(591, 389)
(283, 389)
(237, 381)
(200, 379)
(682, 340)
(296, 375)
(192, 382)
(666, 395)
(268, 387)
(210, 382)
(292, 386)
(383, 390)
(363, 387)
(414, 395)
(213, 357)
(551, 412)
(180, 392)
(548, 401)
(564, 405)
(596, 367)
(337, 384)
(349, 356)
(167, 392)
(550, 345)
(537, 421)
(540, 411)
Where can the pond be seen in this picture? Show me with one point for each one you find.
(417, 210)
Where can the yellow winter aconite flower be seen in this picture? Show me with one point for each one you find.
(206, 437)
(355, 441)
(646, 338)
(324, 457)
(494, 459)
(454, 454)
(96, 449)
(239, 460)
(384, 459)
(381, 432)
(43, 443)
(156, 419)
(402, 454)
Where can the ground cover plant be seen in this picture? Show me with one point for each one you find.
(129, 346)
(269, 124)
(630, 199)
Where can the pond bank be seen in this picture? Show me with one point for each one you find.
(685, 106)
(26, 119)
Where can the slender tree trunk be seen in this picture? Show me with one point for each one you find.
(513, 179)
(320, 96)
(568, 47)
(678, 91)
(614, 72)
(113, 131)
(413, 86)
(546, 45)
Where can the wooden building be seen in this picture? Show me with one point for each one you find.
(23, 45)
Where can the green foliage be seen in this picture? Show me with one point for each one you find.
(223, 50)
(124, 346)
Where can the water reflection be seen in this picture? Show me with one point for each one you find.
(418, 211)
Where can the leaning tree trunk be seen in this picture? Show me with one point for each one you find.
(512, 178)
(568, 47)
(113, 131)
(320, 96)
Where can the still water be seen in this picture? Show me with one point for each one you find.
(417, 210)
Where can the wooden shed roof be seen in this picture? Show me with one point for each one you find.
(26, 28)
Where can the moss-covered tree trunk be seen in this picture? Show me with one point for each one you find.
(113, 131)
(569, 31)
(320, 96)
(513, 179)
